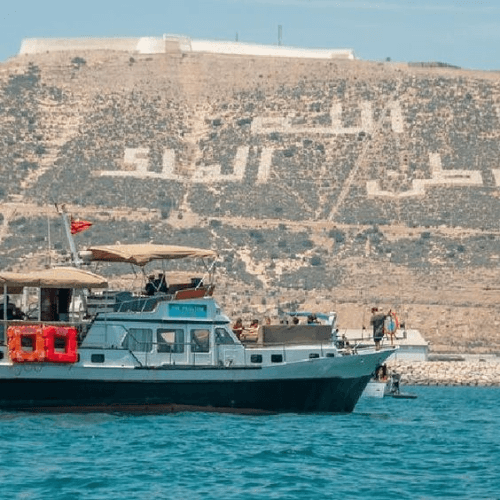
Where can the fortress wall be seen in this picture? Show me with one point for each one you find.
(247, 49)
(41, 45)
(175, 43)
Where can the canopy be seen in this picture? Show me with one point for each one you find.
(141, 254)
(57, 277)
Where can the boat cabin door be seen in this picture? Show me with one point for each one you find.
(226, 348)
(55, 304)
(171, 348)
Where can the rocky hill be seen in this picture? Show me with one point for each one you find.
(324, 184)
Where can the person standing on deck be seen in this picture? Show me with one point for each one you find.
(377, 321)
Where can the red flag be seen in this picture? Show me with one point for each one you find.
(77, 226)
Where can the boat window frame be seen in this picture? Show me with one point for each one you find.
(178, 344)
(227, 336)
(130, 333)
(197, 346)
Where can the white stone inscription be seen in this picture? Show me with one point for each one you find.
(136, 164)
(496, 175)
(212, 173)
(284, 125)
(439, 177)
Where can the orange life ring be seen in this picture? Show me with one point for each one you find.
(391, 324)
(18, 352)
(69, 354)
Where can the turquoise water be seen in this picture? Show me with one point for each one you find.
(444, 444)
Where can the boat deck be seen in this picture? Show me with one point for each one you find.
(411, 343)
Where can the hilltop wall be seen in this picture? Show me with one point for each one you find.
(366, 182)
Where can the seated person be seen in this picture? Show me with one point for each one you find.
(312, 319)
(156, 285)
(252, 332)
(238, 327)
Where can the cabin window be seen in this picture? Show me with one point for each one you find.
(170, 340)
(313, 355)
(222, 336)
(139, 340)
(97, 358)
(200, 340)
(256, 358)
(276, 358)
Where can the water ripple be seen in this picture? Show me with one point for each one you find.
(445, 444)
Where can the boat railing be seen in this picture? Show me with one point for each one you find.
(141, 304)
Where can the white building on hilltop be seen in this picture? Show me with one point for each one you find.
(175, 43)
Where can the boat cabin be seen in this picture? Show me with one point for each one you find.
(166, 323)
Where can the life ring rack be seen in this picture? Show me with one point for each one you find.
(37, 343)
(26, 334)
(68, 336)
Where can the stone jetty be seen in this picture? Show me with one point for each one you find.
(461, 371)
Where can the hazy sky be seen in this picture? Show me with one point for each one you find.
(460, 32)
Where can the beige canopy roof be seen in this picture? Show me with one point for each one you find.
(57, 277)
(141, 254)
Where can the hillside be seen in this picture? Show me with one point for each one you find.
(331, 184)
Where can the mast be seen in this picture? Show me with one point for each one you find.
(75, 258)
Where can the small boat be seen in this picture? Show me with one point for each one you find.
(164, 347)
(386, 384)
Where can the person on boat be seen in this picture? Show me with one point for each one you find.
(238, 328)
(155, 285)
(150, 287)
(252, 332)
(377, 322)
(312, 319)
(382, 373)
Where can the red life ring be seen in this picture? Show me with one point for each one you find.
(18, 352)
(68, 335)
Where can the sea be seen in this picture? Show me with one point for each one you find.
(443, 444)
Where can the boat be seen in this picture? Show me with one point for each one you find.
(164, 347)
(385, 383)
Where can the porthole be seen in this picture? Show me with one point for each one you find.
(313, 355)
(276, 358)
(256, 358)
(97, 358)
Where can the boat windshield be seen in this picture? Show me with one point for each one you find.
(141, 304)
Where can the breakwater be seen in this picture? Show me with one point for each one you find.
(467, 372)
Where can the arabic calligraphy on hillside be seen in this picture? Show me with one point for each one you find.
(137, 163)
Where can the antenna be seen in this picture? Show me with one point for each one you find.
(49, 244)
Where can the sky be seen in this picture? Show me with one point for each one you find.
(458, 32)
